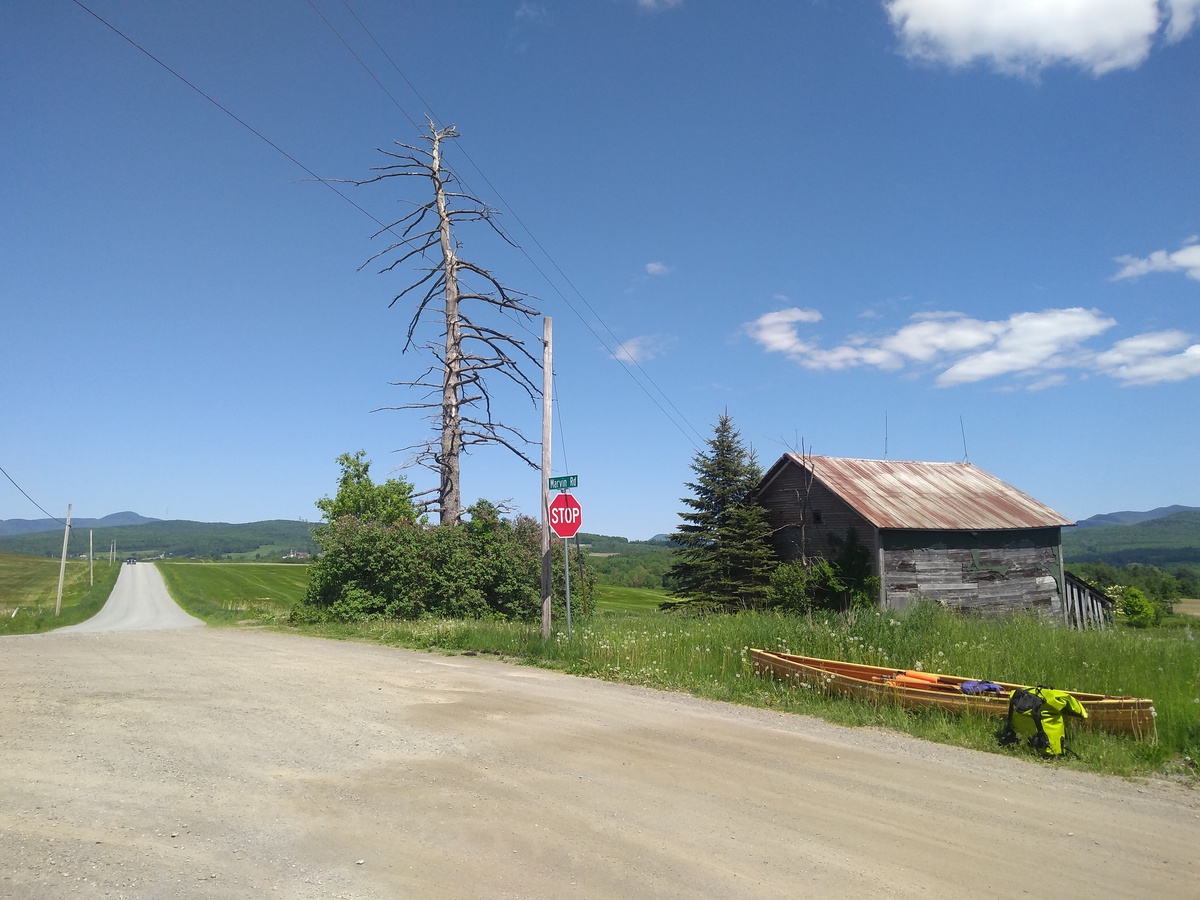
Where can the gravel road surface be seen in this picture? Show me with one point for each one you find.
(199, 762)
(139, 602)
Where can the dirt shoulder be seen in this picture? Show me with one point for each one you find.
(217, 763)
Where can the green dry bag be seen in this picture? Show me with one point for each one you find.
(1037, 716)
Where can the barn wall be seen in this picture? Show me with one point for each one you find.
(988, 571)
(783, 502)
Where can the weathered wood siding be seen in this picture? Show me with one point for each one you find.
(975, 571)
(973, 567)
(828, 515)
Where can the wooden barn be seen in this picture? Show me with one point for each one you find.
(948, 532)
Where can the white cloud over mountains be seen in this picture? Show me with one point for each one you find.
(1186, 259)
(1039, 348)
(1026, 36)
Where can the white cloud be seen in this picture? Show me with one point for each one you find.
(1185, 259)
(1152, 358)
(640, 349)
(777, 333)
(1184, 14)
(938, 334)
(1037, 348)
(530, 12)
(657, 268)
(1025, 36)
(1030, 344)
(658, 5)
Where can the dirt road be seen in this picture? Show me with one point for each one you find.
(139, 602)
(223, 763)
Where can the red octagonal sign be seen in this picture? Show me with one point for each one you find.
(566, 515)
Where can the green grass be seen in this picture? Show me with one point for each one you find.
(616, 599)
(233, 593)
(629, 640)
(29, 592)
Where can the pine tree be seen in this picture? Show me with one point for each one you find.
(723, 551)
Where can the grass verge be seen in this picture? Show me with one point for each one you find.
(29, 592)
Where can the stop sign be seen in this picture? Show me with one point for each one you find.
(566, 515)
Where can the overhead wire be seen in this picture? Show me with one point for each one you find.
(622, 359)
(254, 131)
(621, 356)
(30, 499)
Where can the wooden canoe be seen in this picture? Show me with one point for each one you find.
(1123, 715)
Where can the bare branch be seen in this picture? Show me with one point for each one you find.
(455, 392)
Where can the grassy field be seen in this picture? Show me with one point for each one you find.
(29, 591)
(615, 599)
(231, 593)
(1187, 607)
(629, 639)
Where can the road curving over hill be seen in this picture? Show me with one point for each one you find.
(205, 762)
(139, 602)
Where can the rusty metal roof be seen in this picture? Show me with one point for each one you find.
(927, 495)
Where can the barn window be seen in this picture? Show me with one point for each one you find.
(816, 517)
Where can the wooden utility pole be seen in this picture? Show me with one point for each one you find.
(91, 562)
(62, 566)
(547, 404)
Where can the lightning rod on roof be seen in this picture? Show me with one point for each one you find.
(963, 429)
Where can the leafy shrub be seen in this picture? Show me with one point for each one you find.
(1137, 609)
(799, 588)
(488, 567)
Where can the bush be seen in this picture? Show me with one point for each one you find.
(488, 567)
(820, 585)
(1137, 609)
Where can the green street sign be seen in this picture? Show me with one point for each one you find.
(564, 482)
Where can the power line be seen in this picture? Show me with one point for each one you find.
(622, 360)
(30, 499)
(254, 131)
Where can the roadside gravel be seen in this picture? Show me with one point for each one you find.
(201, 762)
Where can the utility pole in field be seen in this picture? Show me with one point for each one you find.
(62, 566)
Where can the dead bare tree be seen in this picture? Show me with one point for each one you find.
(468, 351)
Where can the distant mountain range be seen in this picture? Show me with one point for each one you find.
(144, 537)
(33, 526)
(1163, 540)
(1134, 518)
(1167, 536)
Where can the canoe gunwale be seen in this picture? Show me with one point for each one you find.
(1123, 715)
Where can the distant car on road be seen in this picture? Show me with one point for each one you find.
(131, 561)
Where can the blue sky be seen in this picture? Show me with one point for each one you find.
(865, 227)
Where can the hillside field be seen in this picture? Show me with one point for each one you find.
(29, 592)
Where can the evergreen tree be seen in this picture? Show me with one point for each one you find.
(723, 550)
